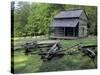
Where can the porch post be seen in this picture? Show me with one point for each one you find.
(64, 31)
(73, 32)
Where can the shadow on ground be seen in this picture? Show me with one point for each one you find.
(67, 63)
(33, 63)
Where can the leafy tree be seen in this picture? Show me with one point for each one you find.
(41, 16)
(20, 17)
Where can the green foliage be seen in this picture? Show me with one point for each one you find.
(92, 20)
(33, 19)
(21, 14)
(41, 16)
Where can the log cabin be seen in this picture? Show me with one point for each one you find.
(69, 24)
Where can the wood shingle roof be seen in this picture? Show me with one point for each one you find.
(65, 23)
(69, 14)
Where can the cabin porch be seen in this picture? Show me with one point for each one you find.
(64, 32)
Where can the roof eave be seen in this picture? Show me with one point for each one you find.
(66, 17)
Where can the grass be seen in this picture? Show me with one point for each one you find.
(84, 41)
(33, 63)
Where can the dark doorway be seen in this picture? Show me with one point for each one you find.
(76, 31)
(69, 31)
